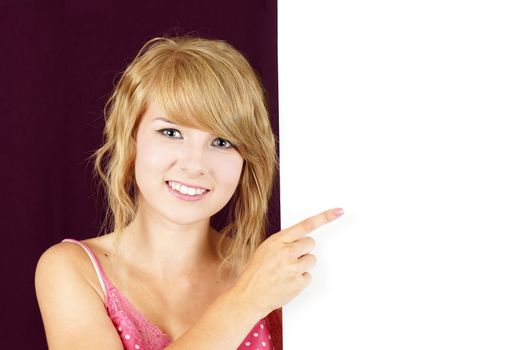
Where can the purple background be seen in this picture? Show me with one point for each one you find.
(58, 63)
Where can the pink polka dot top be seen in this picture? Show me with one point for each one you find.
(136, 332)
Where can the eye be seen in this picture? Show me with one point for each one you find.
(225, 141)
(168, 132)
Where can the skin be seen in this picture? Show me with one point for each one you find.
(166, 253)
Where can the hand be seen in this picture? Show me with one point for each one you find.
(278, 270)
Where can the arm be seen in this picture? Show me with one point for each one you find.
(223, 326)
(73, 313)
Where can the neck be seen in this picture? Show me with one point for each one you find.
(167, 250)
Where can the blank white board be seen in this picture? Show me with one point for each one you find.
(411, 116)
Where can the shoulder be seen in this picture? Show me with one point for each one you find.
(70, 300)
(61, 256)
(66, 262)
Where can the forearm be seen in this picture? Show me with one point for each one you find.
(223, 326)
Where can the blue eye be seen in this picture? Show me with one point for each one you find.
(228, 142)
(170, 133)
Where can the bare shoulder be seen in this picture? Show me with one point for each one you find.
(69, 259)
(61, 257)
(63, 250)
(69, 302)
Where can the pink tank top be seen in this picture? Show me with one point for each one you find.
(136, 332)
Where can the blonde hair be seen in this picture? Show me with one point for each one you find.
(200, 83)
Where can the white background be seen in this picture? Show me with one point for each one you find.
(411, 116)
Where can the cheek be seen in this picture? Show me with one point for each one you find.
(227, 171)
(150, 158)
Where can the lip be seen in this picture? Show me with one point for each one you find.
(188, 185)
(185, 197)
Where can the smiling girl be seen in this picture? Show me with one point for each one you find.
(187, 131)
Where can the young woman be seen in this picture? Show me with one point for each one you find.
(187, 132)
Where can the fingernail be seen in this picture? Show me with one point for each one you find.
(338, 212)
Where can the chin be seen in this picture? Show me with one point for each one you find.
(183, 218)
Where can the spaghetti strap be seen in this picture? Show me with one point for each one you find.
(96, 264)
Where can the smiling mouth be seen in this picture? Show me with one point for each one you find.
(185, 190)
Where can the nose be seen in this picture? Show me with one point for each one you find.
(192, 160)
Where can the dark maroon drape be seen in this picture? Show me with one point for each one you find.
(58, 62)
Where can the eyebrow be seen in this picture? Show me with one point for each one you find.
(164, 120)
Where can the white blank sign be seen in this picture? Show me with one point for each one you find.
(411, 116)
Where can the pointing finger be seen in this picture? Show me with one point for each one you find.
(310, 224)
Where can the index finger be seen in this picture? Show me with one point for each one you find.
(293, 233)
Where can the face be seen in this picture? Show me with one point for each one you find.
(167, 153)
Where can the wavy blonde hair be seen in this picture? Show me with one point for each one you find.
(204, 84)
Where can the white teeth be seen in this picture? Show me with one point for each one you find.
(186, 190)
